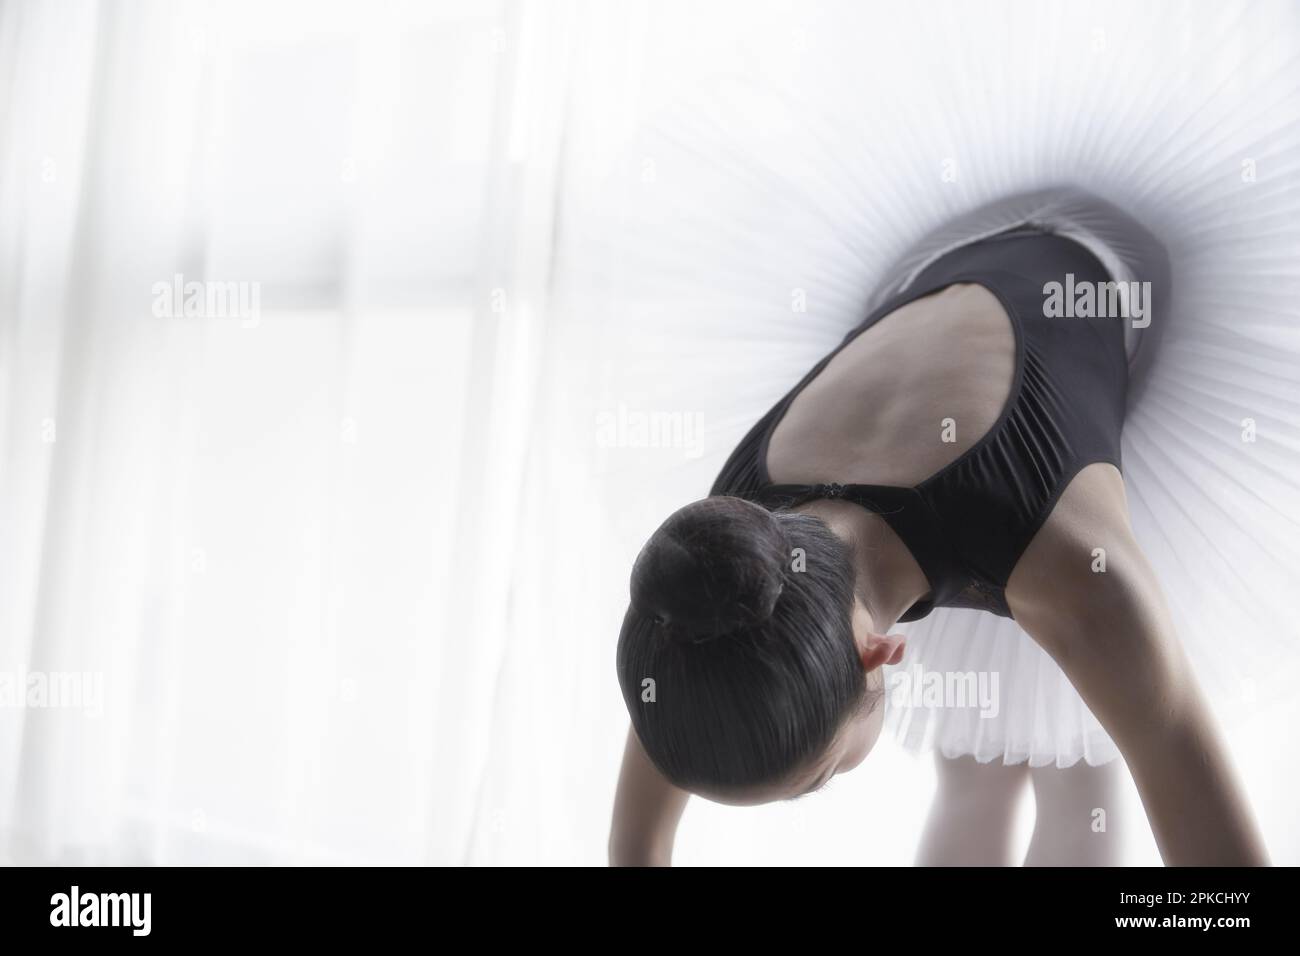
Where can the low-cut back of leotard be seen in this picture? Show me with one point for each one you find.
(967, 524)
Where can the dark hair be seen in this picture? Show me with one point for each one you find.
(752, 657)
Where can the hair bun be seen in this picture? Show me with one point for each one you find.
(715, 566)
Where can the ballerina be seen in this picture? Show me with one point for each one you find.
(960, 449)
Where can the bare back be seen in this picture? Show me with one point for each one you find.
(907, 396)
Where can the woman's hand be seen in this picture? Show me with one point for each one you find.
(646, 811)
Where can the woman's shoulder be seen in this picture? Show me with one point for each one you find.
(1084, 563)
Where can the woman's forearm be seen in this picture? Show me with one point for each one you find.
(1150, 702)
(647, 809)
(1138, 683)
(638, 853)
(1193, 799)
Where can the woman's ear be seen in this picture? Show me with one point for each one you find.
(875, 649)
(881, 649)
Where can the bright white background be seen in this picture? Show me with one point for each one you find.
(353, 575)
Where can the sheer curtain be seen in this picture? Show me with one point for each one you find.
(274, 536)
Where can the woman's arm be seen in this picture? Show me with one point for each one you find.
(1111, 633)
(646, 810)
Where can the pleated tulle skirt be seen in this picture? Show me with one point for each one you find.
(765, 215)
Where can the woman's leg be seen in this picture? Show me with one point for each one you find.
(973, 814)
(1075, 824)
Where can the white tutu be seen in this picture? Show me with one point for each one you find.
(751, 223)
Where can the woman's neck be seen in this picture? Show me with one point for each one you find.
(889, 581)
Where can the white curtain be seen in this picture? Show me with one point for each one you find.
(273, 542)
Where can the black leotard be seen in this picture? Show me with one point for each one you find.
(968, 523)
